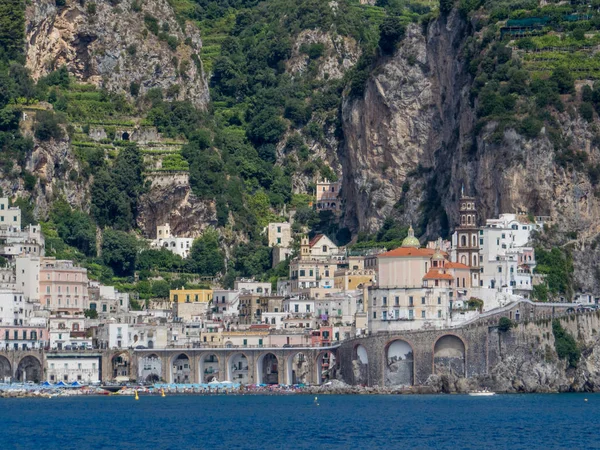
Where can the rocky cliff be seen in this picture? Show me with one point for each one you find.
(527, 361)
(412, 142)
(113, 44)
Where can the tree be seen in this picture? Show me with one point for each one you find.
(446, 6)
(74, 227)
(564, 80)
(119, 251)
(505, 324)
(90, 313)
(391, 31)
(206, 258)
(565, 345)
(587, 111)
(47, 126)
(160, 289)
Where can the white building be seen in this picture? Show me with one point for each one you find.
(279, 234)
(10, 216)
(164, 239)
(81, 368)
(226, 303)
(67, 330)
(14, 308)
(506, 260)
(113, 335)
(249, 285)
(14, 242)
(28, 276)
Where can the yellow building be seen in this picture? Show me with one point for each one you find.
(190, 295)
(349, 280)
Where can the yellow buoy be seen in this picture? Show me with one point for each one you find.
(162, 393)
(136, 395)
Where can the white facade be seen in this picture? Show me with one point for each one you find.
(14, 309)
(226, 303)
(279, 234)
(505, 259)
(255, 287)
(408, 308)
(113, 335)
(28, 277)
(67, 331)
(84, 369)
(10, 216)
(14, 242)
(164, 239)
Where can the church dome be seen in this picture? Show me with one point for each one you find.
(438, 255)
(411, 240)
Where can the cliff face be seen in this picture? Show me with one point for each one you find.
(411, 145)
(109, 45)
(524, 359)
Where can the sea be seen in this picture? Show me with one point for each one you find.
(550, 421)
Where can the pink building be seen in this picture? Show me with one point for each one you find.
(63, 287)
(23, 337)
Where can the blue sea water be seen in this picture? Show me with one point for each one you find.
(275, 422)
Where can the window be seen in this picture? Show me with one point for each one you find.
(374, 301)
(499, 269)
(307, 308)
(439, 313)
(422, 314)
(310, 273)
(439, 300)
(302, 272)
(410, 314)
(396, 301)
(480, 241)
(296, 307)
(260, 342)
(374, 314)
(279, 229)
(245, 341)
(279, 240)
(384, 315)
(384, 301)
(410, 301)
(422, 300)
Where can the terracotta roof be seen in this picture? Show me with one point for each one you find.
(456, 265)
(407, 252)
(436, 275)
(314, 240)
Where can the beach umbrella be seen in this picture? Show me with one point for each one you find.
(60, 384)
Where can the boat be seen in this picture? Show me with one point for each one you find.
(484, 393)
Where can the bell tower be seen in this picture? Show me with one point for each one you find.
(467, 249)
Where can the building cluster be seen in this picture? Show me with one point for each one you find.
(331, 293)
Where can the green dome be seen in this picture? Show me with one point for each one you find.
(411, 240)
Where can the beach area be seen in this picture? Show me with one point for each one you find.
(334, 387)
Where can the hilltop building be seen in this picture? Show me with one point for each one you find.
(328, 193)
(164, 239)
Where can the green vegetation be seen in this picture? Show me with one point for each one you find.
(557, 266)
(505, 324)
(565, 345)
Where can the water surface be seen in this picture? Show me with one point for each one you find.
(295, 421)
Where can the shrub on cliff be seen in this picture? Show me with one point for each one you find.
(391, 31)
(565, 345)
(47, 126)
(505, 324)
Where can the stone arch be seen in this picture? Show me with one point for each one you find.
(237, 368)
(181, 368)
(298, 368)
(267, 369)
(325, 366)
(5, 369)
(399, 364)
(463, 241)
(29, 369)
(150, 368)
(449, 355)
(360, 364)
(121, 365)
(209, 367)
